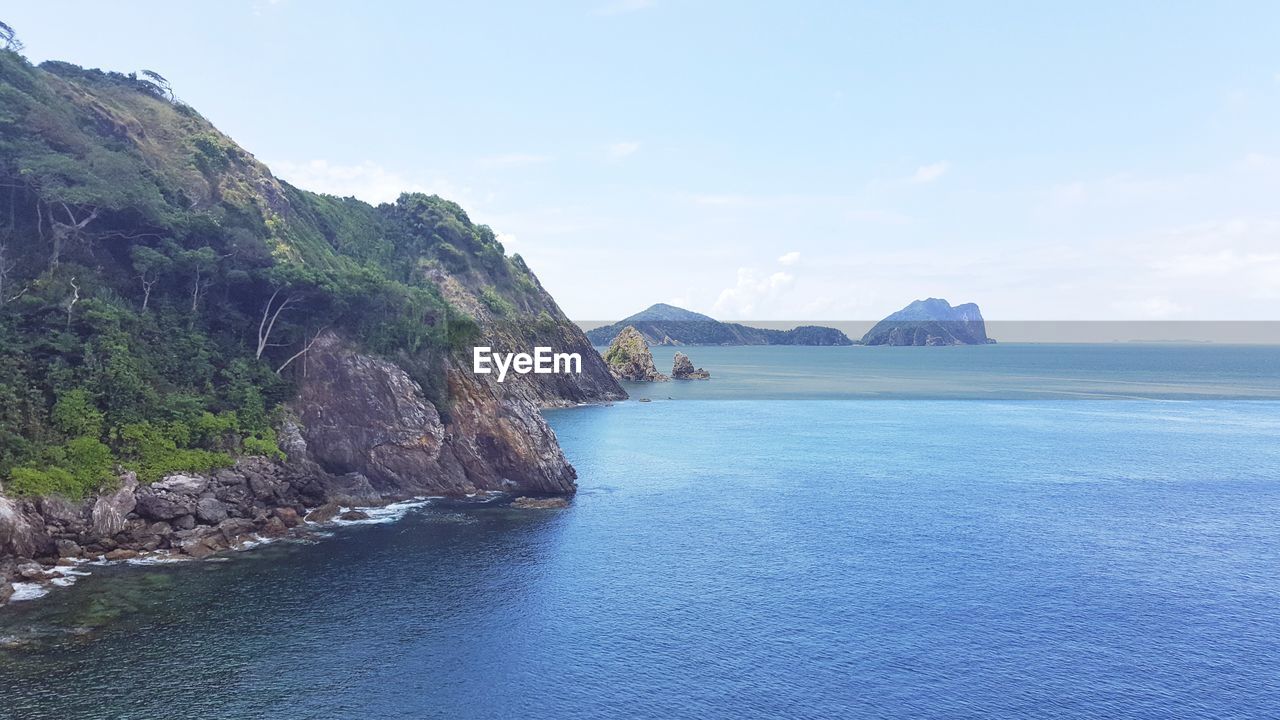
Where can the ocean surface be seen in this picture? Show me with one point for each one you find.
(1001, 531)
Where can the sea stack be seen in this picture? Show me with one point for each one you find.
(629, 358)
(931, 322)
(683, 369)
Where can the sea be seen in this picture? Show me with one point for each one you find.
(1002, 531)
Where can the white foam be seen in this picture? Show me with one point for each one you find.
(28, 591)
(385, 514)
(158, 557)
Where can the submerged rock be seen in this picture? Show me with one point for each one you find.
(629, 358)
(682, 369)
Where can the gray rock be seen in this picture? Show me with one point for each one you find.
(6, 591)
(186, 522)
(109, 511)
(181, 485)
(67, 548)
(210, 511)
(682, 369)
(163, 507)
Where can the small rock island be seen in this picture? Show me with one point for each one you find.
(682, 369)
(931, 322)
(629, 358)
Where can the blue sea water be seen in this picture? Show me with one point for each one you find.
(1102, 541)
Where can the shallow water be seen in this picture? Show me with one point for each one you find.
(907, 557)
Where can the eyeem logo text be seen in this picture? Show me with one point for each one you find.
(542, 362)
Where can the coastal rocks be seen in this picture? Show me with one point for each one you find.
(629, 358)
(682, 369)
(109, 511)
(22, 529)
(352, 515)
(6, 591)
(532, 503)
(162, 506)
(324, 513)
(210, 511)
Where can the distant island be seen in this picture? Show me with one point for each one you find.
(663, 324)
(930, 322)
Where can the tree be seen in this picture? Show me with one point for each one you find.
(150, 265)
(10, 38)
(265, 327)
(200, 263)
(64, 231)
(158, 84)
(7, 266)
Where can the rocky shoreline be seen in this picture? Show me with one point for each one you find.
(189, 518)
(361, 434)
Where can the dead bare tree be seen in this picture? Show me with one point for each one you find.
(7, 266)
(305, 349)
(65, 231)
(73, 299)
(265, 327)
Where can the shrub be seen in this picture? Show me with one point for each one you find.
(75, 414)
(29, 481)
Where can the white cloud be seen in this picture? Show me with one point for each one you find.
(930, 173)
(790, 258)
(752, 292)
(514, 160)
(620, 150)
(368, 180)
(622, 7)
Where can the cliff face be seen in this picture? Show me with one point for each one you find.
(198, 282)
(931, 322)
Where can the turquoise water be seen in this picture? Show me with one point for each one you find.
(735, 556)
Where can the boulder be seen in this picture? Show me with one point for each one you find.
(210, 511)
(288, 516)
(181, 484)
(6, 591)
(324, 513)
(682, 369)
(109, 511)
(67, 548)
(354, 515)
(274, 528)
(121, 554)
(163, 507)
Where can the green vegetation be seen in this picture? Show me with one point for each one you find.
(159, 289)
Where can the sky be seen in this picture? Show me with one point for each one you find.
(781, 161)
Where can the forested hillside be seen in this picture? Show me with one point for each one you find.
(159, 288)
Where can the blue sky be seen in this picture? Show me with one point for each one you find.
(817, 161)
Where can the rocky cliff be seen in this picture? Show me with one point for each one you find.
(930, 322)
(629, 358)
(237, 354)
